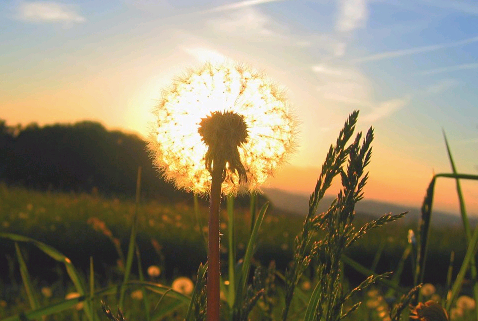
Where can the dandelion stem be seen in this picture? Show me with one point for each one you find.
(213, 298)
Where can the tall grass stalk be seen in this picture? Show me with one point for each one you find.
(466, 223)
(334, 227)
(424, 234)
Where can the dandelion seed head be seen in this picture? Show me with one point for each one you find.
(263, 128)
(183, 285)
(428, 289)
(154, 271)
(46, 291)
(137, 295)
(465, 302)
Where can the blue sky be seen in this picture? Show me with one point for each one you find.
(411, 67)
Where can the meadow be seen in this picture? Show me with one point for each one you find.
(84, 256)
(170, 237)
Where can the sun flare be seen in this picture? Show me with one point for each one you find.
(177, 147)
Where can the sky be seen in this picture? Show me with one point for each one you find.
(409, 66)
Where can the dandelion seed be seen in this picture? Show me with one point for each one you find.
(154, 271)
(264, 130)
(183, 285)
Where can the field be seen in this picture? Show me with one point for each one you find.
(81, 256)
(171, 237)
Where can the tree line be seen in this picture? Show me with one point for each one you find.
(80, 157)
(83, 157)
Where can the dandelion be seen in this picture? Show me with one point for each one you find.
(429, 311)
(227, 98)
(428, 289)
(183, 285)
(465, 303)
(46, 291)
(137, 295)
(221, 129)
(154, 271)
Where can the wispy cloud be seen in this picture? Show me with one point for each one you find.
(416, 50)
(449, 69)
(342, 84)
(247, 22)
(442, 85)
(46, 11)
(386, 108)
(352, 15)
(239, 5)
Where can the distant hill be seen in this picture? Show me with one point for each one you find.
(298, 204)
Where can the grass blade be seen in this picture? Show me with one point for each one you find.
(132, 241)
(26, 279)
(470, 252)
(244, 274)
(141, 278)
(466, 224)
(51, 309)
(57, 256)
(201, 281)
(367, 272)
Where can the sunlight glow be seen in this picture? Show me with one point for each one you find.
(176, 145)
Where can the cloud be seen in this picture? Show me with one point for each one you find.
(352, 15)
(245, 22)
(45, 11)
(239, 5)
(449, 69)
(416, 50)
(386, 108)
(343, 84)
(442, 85)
